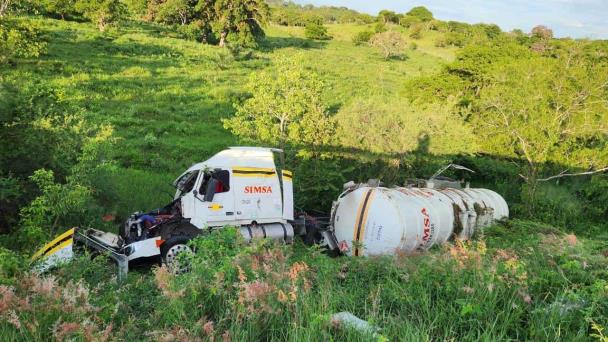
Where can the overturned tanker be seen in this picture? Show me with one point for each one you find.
(368, 219)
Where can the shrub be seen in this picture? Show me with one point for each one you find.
(362, 37)
(380, 27)
(416, 31)
(316, 30)
(20, 39)
(390, 43)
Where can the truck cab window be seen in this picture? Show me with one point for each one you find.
(223, 181)
(186, 183)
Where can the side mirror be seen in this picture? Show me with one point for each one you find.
(210, 192)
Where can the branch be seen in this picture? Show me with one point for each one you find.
(564, 174)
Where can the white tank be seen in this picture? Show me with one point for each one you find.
(378, 221)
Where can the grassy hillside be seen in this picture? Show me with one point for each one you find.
(166, 96)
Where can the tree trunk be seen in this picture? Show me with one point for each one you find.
(223, 39)
(101, 24)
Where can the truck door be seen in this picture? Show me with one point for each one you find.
(219, 208)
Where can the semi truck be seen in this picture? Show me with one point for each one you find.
(243, 187)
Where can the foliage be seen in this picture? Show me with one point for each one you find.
(176, 11)
(542, 32)
(239, 21)
(362, 37)
(416, 31)
(315, 30)
(61, 8)
(387, 16)
(541, 282)
(19, 39)
(535, 108)
(370, 126)
(285, 107)
(292, 14)
(390, 43)
(421, 13)
(408, 20)
(102, 12)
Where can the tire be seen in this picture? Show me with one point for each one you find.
(171, 252)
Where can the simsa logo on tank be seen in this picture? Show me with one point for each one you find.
(250, 189)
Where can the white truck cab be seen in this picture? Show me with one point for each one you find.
(238, 186)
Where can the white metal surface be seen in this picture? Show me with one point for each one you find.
(255, 194)
(377, 220)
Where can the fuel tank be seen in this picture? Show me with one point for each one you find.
(378, 221)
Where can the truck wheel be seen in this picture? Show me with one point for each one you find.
(175, 253)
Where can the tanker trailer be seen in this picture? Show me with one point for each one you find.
(368, 219)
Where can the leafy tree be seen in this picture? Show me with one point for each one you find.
(102, 12)
(176, 11)
(421, 12)
(408, 20)
(387, 16)
(238, 21)
(390, 43)
(546, 111)
(316, 30)
(285, 107)
(60, 7)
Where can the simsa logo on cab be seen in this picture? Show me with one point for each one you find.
(258, 189)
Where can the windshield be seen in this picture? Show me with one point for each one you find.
(186, 182)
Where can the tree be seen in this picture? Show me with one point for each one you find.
(421, 12)
(4, 7)
(391, 43)
(242, 20)
(542, 32)
(176, 11)
(387, 16)
(316, 30)
(102, 12)
(285, 107)
(60, 7)
(546, 111)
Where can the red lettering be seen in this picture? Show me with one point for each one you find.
(427, 225)
(258, 189)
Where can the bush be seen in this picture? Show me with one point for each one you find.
(409, 20)
(416, 31)
(362, 37)
(316, 30)
(390, 43)
(20, 39)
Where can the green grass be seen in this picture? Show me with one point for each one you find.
(166, 96)
(517, 281)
